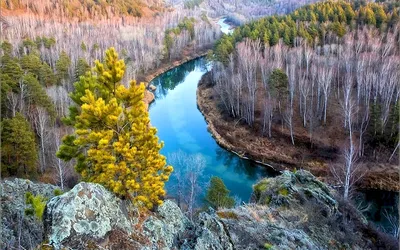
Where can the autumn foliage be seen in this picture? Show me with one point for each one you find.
(114, 143)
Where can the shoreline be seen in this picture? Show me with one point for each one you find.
(202, 106)
(381, 177)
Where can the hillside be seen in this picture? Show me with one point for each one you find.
(315, 89)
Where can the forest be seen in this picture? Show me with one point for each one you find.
(44, 52)
(47, 45)
(326, 74)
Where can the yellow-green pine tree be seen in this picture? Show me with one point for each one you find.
(114, 143)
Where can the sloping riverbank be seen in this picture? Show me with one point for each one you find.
(278, 152)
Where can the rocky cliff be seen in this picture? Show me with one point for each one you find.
(291, 211)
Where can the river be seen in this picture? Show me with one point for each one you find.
(225, 28)
(182, 127)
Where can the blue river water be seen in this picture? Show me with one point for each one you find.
(182, 127)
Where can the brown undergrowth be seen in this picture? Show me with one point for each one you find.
(279, 153)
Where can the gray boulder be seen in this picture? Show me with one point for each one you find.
(86, 215)
(165, 227)
(291, 211)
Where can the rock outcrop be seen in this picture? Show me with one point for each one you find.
(85, 215)
(290, 211)
(18, 229)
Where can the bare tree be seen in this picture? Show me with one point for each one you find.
(393, 221)
(188, 170)
(348, 173)
(62, 169)
(12, 103)
(41, 120)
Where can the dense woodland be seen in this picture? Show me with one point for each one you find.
(327, 65)
(47, 45)
(42, 56)
(240, 11)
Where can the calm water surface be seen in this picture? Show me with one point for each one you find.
(182, 127)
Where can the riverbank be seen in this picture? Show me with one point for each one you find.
(278, 152)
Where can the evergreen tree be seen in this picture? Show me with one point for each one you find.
(370, 16)
(278, 83)
(394, 18)
(218, 195)
(62, 65)
(380, 16)
(36, 95)
(31, 63)
(18, 148)
(46, 76)
(83, 47)
(81, 68)
(114, 143)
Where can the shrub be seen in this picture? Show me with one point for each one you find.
(36, 203)
(57, 192)
(218, 195)
(283, 191)
(268, 246)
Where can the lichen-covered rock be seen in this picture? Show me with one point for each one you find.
(211, 233)
(16, 227)
(291, 189)
(254, 227)
(164, 229)
(290, 211)
(85, 215)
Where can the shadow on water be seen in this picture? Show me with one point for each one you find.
(242, 166)
(379, 207)
(172, 78)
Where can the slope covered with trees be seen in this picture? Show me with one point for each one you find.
(42, 57)
(326, 77)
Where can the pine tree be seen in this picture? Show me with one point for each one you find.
(36, 95)
(278, 83)
(46, 76)
(31, 63)
(218, 195)
(62, 65)
(18, 148)
(81, 68)
(114, 143)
